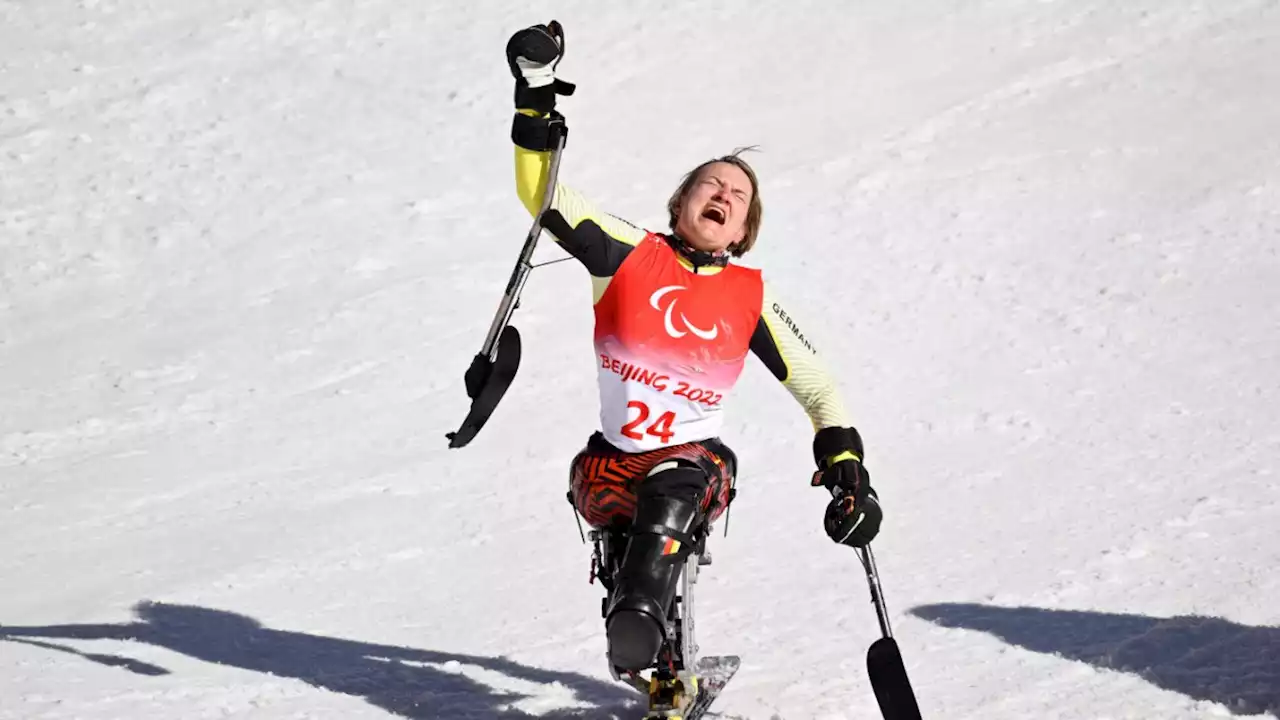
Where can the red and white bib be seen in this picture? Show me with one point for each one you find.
(670, 344)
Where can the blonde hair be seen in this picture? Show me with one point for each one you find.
(755, 210)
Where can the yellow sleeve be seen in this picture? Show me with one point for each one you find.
(532, 169)
(782, 345)
(598, 240)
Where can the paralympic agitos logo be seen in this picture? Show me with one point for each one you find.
(668, 321)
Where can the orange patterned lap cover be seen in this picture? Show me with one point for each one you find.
(603, 482)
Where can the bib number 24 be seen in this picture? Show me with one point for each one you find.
(660, 428)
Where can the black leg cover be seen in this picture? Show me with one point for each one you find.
(661, 540)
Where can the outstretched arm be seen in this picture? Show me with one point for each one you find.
(853, 516)
(780, 343)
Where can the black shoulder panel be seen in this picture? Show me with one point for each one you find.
(601, 253)
(766, 349)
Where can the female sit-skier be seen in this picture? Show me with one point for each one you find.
(674, 320)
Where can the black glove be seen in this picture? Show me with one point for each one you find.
(477, 375)
(532, 56)
(853, 516)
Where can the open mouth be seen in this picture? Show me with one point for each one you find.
(715, 214)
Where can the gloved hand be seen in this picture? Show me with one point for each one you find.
(532, 56)
(853, 516)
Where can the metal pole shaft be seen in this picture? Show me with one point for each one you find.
(523, 267)
(877, 594)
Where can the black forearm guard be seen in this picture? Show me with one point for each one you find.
(538, 133)
(832, 441)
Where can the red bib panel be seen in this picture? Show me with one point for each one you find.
(670, 345)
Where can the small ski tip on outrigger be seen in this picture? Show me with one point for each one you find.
(487, 381)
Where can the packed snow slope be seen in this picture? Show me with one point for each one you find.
(247, 250)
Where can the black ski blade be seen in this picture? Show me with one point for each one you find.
(889, 681)
(498, 378)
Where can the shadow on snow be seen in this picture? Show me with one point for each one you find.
(405, 681)
(1202, 657)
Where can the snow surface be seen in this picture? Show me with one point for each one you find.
(247, 250)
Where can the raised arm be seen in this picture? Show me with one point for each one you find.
(598, 240)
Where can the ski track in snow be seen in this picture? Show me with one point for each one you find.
(247, 251)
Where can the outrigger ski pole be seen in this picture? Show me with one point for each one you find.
(884, 660)
(494, 367)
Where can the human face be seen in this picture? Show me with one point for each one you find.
(713, 212)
